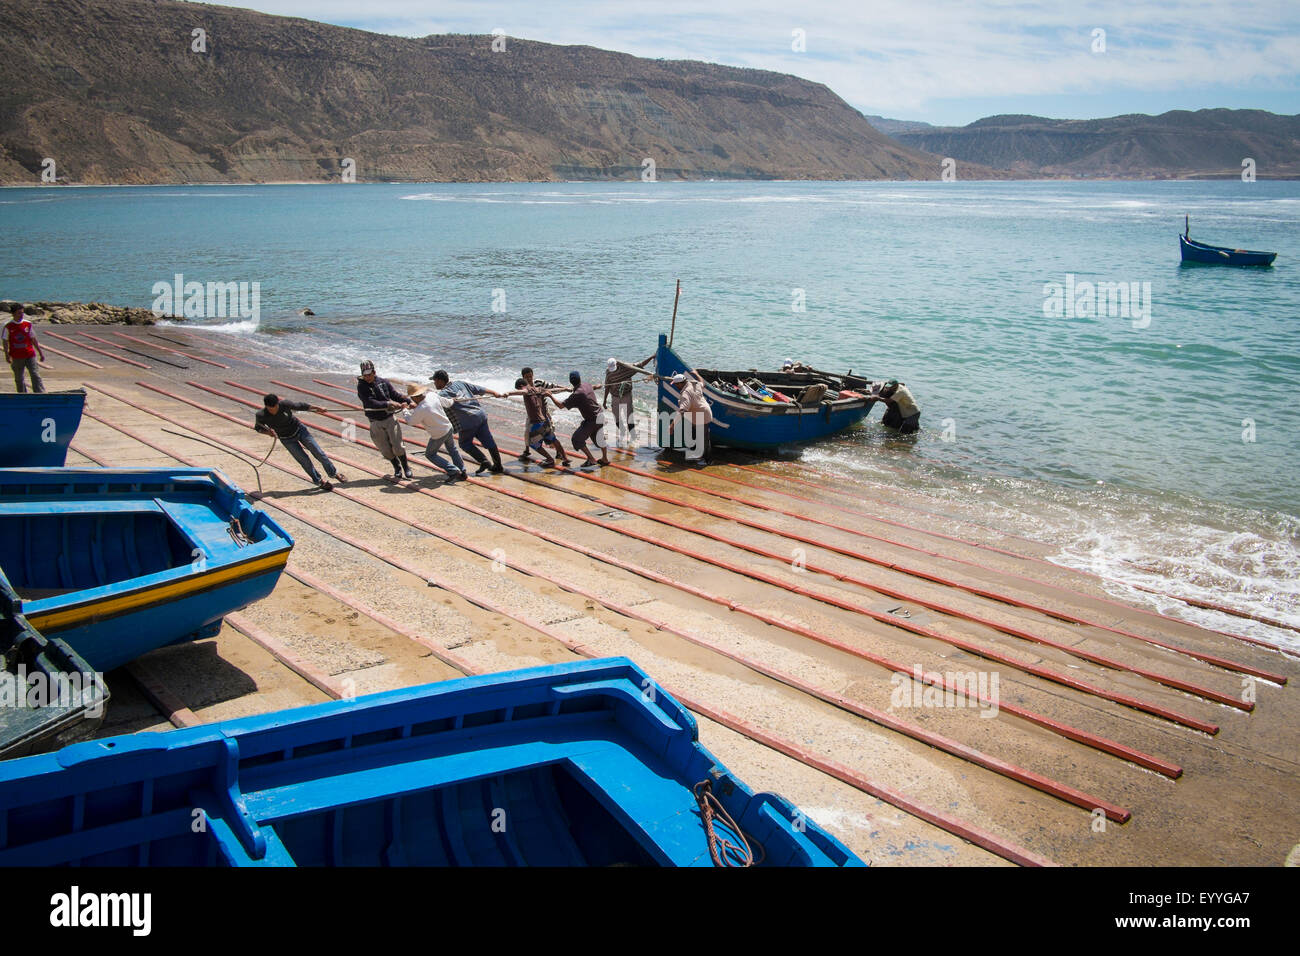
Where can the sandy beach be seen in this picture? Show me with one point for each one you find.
(783, 601)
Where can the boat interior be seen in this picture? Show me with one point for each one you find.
(44, 555)
(804, 388)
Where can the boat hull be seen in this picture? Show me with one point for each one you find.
(38, 428)
(117, 563)
(1202, 253)
(756, 426)
(572, 764)
(48, 693)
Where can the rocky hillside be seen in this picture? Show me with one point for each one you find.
(1178, 144)
(114, 91)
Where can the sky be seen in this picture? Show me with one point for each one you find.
(945, 62)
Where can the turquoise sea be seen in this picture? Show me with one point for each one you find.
(1160, 448)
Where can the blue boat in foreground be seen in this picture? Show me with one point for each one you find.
(38, 427)
(1193, 251)
(48, 694)
(820, 403)
(584, 764)
(117, 562)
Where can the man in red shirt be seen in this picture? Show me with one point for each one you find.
(21, 349)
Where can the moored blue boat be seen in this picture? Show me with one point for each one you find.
(38, 427)
(743, 422)
(117, 562)
(1202, 252)
(48, 694)
(565, 765)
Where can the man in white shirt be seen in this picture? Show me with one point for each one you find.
(431, 415)
(901, 410)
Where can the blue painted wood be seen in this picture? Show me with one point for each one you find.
(85, 539)
(38, 428)
(561, 765)
(744, 423)
(1200, 252)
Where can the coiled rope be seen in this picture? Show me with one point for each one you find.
(725, 852)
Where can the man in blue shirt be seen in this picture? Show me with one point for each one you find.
(469, 420)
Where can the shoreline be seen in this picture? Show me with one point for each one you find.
(606, 605)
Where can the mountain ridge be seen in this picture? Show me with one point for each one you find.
(1186, 144)
(117, 94)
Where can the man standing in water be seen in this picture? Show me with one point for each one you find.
(470, 420)
(277, 418)
(901, 410)
(380, 401)
(21, 349)
(618, 386)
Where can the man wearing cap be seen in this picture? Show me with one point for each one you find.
(695, 414)
(380, 400)
(21, 349)
(618, 386)
(469, 419)
(277, 418)
(901, 410)
(583, 398)
(431, 415)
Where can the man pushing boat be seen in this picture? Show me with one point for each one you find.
(277, 418)
(901, 410)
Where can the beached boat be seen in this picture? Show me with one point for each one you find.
(583, 764)
(38, 428)
(117, 562)
(48, 694)
(1193, 251)
(747, 408)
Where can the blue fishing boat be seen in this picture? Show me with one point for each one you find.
(583, 764)
(747, 408)
(117, 562)
(38, 428)
(48, 694)
(1193, 251)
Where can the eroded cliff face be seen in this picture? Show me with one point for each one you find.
(1206, 143)
(116, 91)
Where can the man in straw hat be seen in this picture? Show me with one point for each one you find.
(430, 414)
(380, 401)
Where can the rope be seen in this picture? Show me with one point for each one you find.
(724, 851)
(274, 440)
